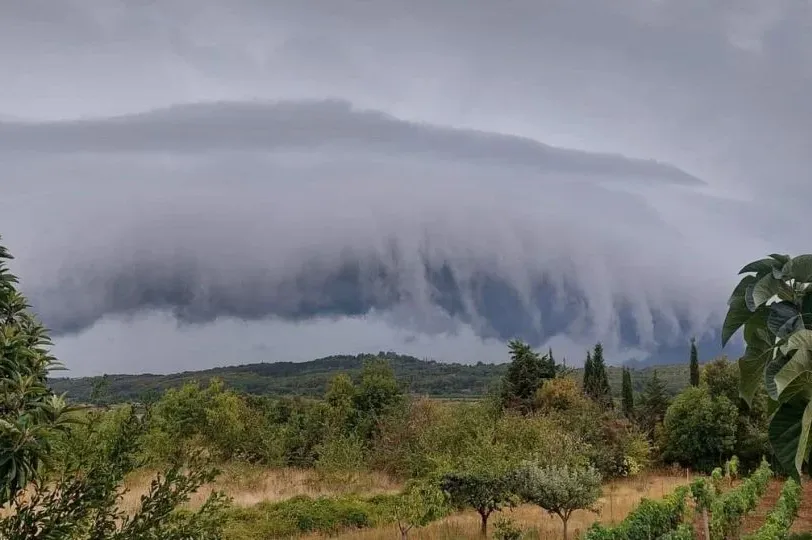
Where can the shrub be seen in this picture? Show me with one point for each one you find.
(506, 529)
(729, 509)
(559, 490)
(302, 514)
(650, 520)
(683, 532)
(777, 525)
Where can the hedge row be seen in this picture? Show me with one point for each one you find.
(302, 515)
(780, 519)
(649, 521)
(729, 508)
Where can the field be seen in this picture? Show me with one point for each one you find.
(250, 485)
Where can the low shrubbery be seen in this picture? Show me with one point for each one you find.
(777, 525)
(650, 520)
(729, 508)
(303, 514)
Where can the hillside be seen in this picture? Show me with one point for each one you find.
(425, 377)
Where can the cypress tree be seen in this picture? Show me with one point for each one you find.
(627, 394)
(653, 403)
(694, 364)
(601, 391)
(589, 376)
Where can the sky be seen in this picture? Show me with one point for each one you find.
(194, 183)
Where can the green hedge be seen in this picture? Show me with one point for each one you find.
(780, 519)
(301, 515)
(728, 509)
(651, 520)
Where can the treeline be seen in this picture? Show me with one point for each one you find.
(310, 379)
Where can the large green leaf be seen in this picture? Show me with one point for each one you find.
(799, 268)
(762, 290)
(800, 360)
(806, 309)
(783, 319)
(751, 371)
(755, 331)
(741, 288)
(737, 315)
(773, 367)
(789, 432)
(761, 266)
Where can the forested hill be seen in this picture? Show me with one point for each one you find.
(425, 377)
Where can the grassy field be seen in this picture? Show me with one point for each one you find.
(250, 485)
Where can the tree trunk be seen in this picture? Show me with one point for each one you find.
(484, 523)
(705, 525)
(565, 520)
(404, 534)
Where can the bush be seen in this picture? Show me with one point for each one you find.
(506, 529)
(303, 514)
(651, 519)
(777, 525)
(683, 532)
(729, 509)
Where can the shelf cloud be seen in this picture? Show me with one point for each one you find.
(433, 181)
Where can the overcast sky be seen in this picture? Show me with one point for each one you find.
(198, 183)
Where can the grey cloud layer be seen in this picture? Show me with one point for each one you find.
(178, 191)
(330, 211)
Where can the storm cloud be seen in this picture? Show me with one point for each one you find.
(433, 178)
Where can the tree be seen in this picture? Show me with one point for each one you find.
(773, 305)
(598, 385)
(525, 374)
(419, 505)
(653, 403)
(560, 394)
(694, 364)
(627, 394)
(485, 490)
(80, 500)
(589, 374)
(559, 490)
(699, 429)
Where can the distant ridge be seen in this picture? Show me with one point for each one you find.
(310, 379)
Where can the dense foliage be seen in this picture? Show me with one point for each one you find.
(77, 498)
(773, 305)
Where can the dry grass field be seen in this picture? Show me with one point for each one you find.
(620, 498)
(248, 485)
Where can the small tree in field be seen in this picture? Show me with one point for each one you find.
(419, 505)
(694, 364)
(483, 490)
(559, 490)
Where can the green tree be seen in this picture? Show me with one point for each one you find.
(722, 378)
(559, 490)
(419, 504)
(627, 394)
(653, 404)
(694, 364)
(773, 305)
(525, 375)
(589, 374)
(598, 387)
(485, 489)
(699, 429)
(80, 500)
(378, 396)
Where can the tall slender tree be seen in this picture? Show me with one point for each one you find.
(589, 374)
(627, 394)
(653, 403)
(599, 389)
(694, 364)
